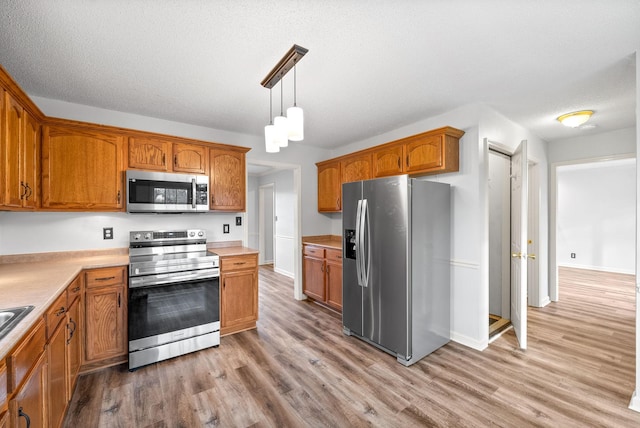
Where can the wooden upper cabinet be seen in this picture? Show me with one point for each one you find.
(166, 156)
(227, 180)
(82, 169)
(329, 187)
(424, 153)
(356, 168)
(20, 148)
(388, 161)
(149, 153)
(190, 158)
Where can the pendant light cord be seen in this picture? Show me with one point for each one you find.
(295, 78)
(281, 100)
(270, 107)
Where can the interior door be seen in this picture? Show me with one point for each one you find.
(519, 210)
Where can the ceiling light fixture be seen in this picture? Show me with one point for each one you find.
(290, 127)
(575, 119)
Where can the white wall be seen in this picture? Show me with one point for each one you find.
(285, 201)
(605, 144)
(15, 226)
(596, 215)
(251, 217)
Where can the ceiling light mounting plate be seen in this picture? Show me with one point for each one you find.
(288, 61)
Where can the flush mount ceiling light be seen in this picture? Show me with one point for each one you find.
(575, 119)
(290, 127)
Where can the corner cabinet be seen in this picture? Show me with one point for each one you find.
(322, 275)
(227, 180)
(20, 154)
(82, 170)
(238, 293)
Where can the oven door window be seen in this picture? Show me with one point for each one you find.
(163, 309)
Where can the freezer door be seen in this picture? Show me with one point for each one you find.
(385, 313)
(351, 291)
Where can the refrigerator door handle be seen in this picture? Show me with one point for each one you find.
(358, 246)
(366, 261)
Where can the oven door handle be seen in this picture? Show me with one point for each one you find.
(172, 278)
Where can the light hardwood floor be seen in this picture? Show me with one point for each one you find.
(298, 370)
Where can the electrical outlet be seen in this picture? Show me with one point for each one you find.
(225, 228)
(238, 221)
(107, 233)
(573, 255)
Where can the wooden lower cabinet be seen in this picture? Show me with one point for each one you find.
(105, 317)
(238, 293)
(73, 345)
(57, 399)
(4, 420)
(322, 275)
(30, 401)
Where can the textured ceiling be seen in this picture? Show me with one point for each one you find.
(372, 65)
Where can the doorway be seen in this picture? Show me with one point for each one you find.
(266, 223)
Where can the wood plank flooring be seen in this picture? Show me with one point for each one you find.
(299, 370)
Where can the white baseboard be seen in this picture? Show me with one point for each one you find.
(283, 272)
(478, 345)
(634, 404)
(598, 268)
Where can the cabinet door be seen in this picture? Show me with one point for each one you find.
(12, 135)
(30, 401)
(239, 298)
(57, 387)
(313, 280)
(4, 420)
(81, 170)
(104, 325)
(329, 187)
(74, 348)
(149, 154)
(334, 278)
(30, 163)
(388, 161)
(189, 158)
(356, 168)
(424, 153)
(227, 180)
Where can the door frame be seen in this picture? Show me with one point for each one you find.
(261, 223)
(554, 292)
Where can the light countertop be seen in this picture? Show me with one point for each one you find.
(39, 283)
(327, 241)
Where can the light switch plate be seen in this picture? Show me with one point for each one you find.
(225, 228)
(238, 221)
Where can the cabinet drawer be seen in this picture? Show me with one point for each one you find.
(238, 262)
(104, 277)
(55, 314)
(24, 357)
(314, 251)
(333, 255)
(74, 290)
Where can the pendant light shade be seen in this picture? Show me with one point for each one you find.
(269, 139)
(281, 131)
(295, 117)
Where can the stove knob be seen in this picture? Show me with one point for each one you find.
(147, 236)
(192, 234)
(201, 234)
(137, 236)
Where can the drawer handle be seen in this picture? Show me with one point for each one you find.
(75, 290)
(60, 311)
(106, 278)
(240, 263)
(22, 414)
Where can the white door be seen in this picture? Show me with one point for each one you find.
(519, 210)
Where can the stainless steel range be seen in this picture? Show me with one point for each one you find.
(174, 289)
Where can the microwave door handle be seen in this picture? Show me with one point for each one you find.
(193, 193)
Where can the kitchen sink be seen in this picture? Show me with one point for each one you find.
(9, 318)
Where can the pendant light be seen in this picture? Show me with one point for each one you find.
(280, 123)
(295, 115)
(269, 131)
(289, 127)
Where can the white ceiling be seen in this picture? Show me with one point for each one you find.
(372, 65)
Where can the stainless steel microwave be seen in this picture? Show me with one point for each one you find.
(160, 192)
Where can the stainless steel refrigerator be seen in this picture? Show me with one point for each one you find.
(396, 265)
